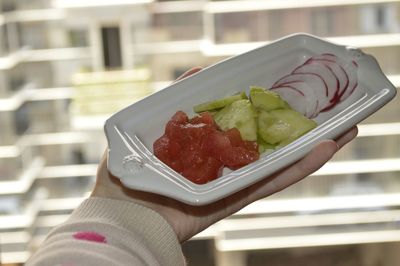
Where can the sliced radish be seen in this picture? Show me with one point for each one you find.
(308, 92)
(350, 67)
(339, 71)
(318, 84)
(314, 81)
(350, 89)
(325, 73)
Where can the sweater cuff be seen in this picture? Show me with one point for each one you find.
(157, 233)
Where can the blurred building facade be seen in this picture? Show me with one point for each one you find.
(66, 65)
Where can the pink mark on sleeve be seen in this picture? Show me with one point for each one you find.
(90, 236)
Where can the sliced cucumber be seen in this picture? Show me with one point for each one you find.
(264, 147)
(218, 104)
(272, 129)
(287, 126)
(266, 100)
(240, 114)
(265, 118)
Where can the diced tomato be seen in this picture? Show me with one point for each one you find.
(234, 136)
(192, 156)
(196, 148)
(169, 152)
(237, 157)
(180, 117)
(175, 165)
(250, 145)
(161, 147)
(214, 143)
(173, 130)
(194, 133)
(166, 148)
(204, 172)
(236, 140)
(203, 118)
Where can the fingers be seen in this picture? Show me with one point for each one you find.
(309, 164)
(347, 137)
(189, 72)
(314, 160)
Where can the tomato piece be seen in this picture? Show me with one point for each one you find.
(234, 137)
(168, 151)
(160, 147)
(204, 172)
(251, 146)
(214, 143)
(176, 165)
(163, 148)
(204, 118)
(180, 117)
(237, 157)
(173, 130)
(193, 133)
(191, 156)
(236, 140)
(198, 150)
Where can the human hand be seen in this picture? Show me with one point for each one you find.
(187, 220)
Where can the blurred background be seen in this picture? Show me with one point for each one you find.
(67, 65)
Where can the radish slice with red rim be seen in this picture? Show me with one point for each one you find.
(312, 99)
(336, 88)
(315, 83)
(309, 94)
(318, 84)
(350, 67)
(340, 73)
(325, 73)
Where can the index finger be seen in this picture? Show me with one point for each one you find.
(189, 72)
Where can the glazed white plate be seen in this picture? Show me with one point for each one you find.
(132, 131)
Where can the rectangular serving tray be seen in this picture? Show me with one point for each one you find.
(132, 131)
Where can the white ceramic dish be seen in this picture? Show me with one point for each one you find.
(132, 131)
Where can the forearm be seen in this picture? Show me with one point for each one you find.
(111, 232)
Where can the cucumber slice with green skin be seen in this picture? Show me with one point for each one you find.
(265, 119)
(218, 104)
(240, 114)
(264, 147)
(299, 122)
(257, 89)
(272, 129)
(266, 100)
(288, 126)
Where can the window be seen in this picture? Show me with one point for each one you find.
(21, 117)
(111, 47)
(78, 37)
(4, 45)
(379, 18)
(177, 26)
(7, 5)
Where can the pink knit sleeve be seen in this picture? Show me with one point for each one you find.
(110, 232)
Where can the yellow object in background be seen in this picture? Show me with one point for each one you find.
(103, 93)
